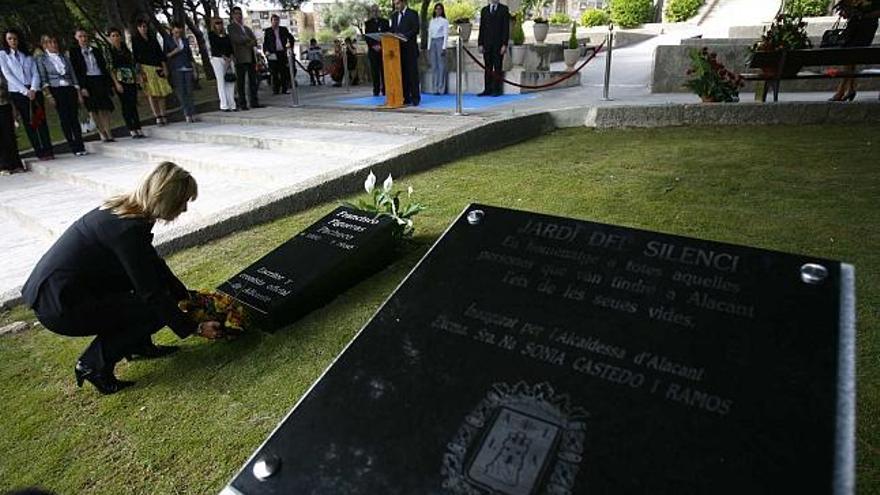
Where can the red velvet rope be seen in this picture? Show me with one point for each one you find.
(498, 76)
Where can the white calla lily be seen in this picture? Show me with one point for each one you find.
(386, 186)
(370, 183)
(409, 191)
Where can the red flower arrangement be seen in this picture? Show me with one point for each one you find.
(710, 80)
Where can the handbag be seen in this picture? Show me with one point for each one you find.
(229, 76)
(834, 37)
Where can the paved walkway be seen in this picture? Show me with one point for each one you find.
(242, 158)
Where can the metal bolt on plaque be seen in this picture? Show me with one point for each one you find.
(475, 216)
(812, 273)
(266, 467)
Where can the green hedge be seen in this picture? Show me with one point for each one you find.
(560, 18)
(807, 8)
(682, 10)
(595, 17)
(631, 13)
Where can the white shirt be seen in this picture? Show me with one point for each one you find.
(20, 71)
(439, 28)
(92, 68)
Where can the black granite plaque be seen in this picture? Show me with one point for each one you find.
(535, 355)
(313, 267)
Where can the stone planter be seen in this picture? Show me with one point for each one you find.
(540, 30)
(464, 31)
(571, 55)
(517, 54)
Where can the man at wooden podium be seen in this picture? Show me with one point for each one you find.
(493, 39)
(376, 24)
(405, 21)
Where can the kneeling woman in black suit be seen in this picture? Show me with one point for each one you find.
(103, 277)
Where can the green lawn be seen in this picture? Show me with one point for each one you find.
(193, 419)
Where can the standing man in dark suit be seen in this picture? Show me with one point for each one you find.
(376, 24)
(493, 39)
(276, 39)
(243, 44)
(405, 22)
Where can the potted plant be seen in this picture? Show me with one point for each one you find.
(710, 80)
(460, 14)
(464, 29)
(573, 51)
(787, 32)
(518, 37)
(541, 27)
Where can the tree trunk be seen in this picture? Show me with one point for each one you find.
(114, 17)
(193, 25)
(424, 18)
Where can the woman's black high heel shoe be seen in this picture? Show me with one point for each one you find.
(849, 96)
(106, 383)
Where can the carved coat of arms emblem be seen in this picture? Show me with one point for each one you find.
(519, 440)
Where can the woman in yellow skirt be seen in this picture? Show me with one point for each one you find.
(154, 69)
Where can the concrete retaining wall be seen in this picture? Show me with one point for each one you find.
(420, 156)
(671, 63)
(719, 114)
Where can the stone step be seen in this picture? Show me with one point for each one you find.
(42, 206)
(237, 164)
(106, 176)
(367, 119)
(23, 249)
(353, 144)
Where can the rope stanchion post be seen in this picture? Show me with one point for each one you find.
(291, 66)
(609, 43)
(345, 75)
(459, 91)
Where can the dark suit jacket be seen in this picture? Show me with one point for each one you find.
(378, 25)
(494, 28)
(269, 39)
(104, 254)
(79, 62)
(408, 27)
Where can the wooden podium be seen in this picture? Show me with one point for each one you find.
(391, 68)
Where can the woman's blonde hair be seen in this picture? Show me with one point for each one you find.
(161, 195)
(47, 38)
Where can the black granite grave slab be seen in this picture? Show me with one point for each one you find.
(535, 355)
(313, 267)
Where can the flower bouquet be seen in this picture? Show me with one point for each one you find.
(206, 305)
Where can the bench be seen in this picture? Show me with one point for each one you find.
(786, 65)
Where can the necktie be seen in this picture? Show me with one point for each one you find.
(492, 9)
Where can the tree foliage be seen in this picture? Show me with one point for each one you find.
(341, 15)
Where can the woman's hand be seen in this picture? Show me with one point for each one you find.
(84, 93)
(210, 330)
(119, 88)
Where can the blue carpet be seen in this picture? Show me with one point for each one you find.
(444, 102)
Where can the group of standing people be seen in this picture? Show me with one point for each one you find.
(91, 77)
(493, 39)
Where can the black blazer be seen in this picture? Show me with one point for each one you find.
(378, 25)
(103, 254)
(494, 28)
(409, 27)
(79, 62)
(269, 39)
